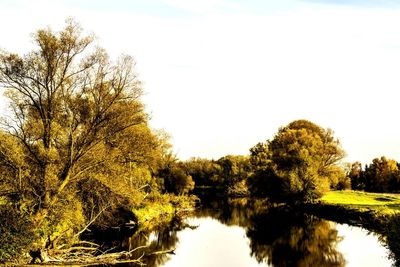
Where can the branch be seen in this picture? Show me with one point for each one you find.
(92, 221)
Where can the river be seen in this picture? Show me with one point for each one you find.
(237, 233)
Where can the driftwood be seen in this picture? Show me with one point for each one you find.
(168, 251)
(84, 256)
(88, 256)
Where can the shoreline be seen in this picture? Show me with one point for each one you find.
(369, 219)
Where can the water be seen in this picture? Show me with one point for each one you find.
(237, 233)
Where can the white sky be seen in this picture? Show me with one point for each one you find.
(222, 75)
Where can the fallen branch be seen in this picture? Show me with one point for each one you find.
(137, 248)
(81, 248)
(86, 256)
(88, 243)
(89, 255)
(168, 251)
(92, 221)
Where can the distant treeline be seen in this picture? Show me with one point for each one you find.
(228, 173)
(299, 164)
(382, 175)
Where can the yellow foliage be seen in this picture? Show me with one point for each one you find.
(60, 224)
(158, 208)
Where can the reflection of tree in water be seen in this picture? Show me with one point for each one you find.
(228, 211)
(283, 239)
(392, 233)
(277, 237)
(151, 243)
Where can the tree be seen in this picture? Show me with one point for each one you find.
(341, 180)
(259, 157)
(204, 172)
(301, 163)
(227, 173)
(175, 178)
(77, 124)
(382, 175)
(356, 175)
(234, 169)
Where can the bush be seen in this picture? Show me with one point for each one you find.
(239, 189)
(15, 233)
(176, 180)
(158, 209)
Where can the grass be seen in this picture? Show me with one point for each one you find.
(380, 202)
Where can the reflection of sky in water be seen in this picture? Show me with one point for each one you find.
(212, 244)
(216, 244)
(360, 247)
(152, 238)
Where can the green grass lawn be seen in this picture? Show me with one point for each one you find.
(387, 203)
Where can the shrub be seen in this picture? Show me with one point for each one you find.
(15, 233)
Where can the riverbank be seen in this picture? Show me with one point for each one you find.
(377, 212)
(363, 201)
(110, 245)
(372, 211)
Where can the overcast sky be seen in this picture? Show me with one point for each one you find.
(222, 75)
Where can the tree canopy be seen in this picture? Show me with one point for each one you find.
(77, 143)
(299, 164)
(382, 175)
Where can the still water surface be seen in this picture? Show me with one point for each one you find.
(235, 234)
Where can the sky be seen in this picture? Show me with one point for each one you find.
(222, 75)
